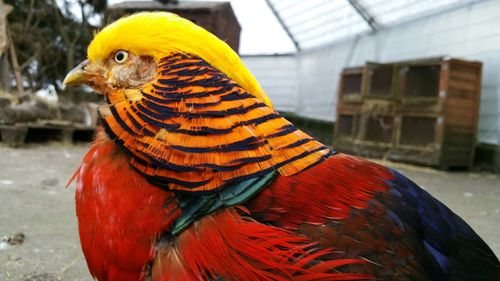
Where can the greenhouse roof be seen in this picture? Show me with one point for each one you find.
(314, 23)
(287, 26)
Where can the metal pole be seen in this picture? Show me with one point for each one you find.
(282, 23)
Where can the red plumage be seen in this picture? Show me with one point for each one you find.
(342, 219)
(225, 244)
(327, 191)
(120, 215)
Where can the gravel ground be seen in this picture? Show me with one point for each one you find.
(33, 201)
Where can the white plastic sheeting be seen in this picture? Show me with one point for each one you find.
(387, 12)
(278, 75)
(315, 23)
(467, 32)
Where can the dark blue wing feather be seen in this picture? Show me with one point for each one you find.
(455, 251)
(366, 211)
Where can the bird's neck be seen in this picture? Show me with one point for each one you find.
(193, 129)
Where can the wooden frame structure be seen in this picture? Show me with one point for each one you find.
(421, 111)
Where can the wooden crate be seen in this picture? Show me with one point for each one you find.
(418, 138)
(350, 86)
(430, 116)
(420, 80)
(346, 127)
(216, 17)
(364, 129)
(379, 81)
(375, 136)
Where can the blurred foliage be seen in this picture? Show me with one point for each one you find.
(50, 37)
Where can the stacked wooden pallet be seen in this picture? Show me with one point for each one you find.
(40, 132)
(421, 111)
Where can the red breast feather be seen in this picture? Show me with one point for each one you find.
(120, 214)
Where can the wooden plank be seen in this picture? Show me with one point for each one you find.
(454, 112)
(428, 158)
(14, 135)
(460, 103)
(421, 107)
(456, 129)
(460, 140)
(460, 121)
(420, 101)
(451, 159)
(472, 84)
(465, 66)
(454, 92)
(456, 156)
(463, 85)
(464, 76)
(352, 98)
(348, 108)
(353, 70)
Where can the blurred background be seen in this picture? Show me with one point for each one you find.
(412, 84)
(410, 81)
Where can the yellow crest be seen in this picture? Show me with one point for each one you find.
(158, 34)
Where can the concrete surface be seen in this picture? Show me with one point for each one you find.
(33, 201)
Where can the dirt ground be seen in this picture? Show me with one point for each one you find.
(33, 201)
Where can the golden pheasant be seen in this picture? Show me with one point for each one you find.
(196, 177)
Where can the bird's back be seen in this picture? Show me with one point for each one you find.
(365, 211)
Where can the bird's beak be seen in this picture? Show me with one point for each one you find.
(78, 75)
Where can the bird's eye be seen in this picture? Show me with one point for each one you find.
(121, 56)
